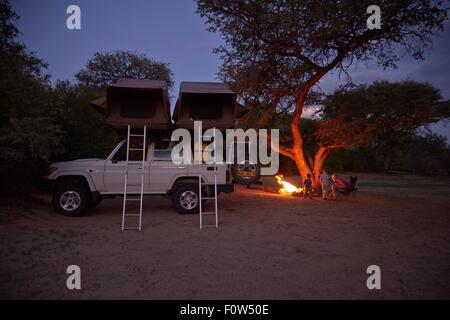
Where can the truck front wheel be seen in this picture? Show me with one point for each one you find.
(71, 199)
(186, 199)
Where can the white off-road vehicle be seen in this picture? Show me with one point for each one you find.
(81, 184)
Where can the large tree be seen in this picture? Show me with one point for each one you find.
(71, 111)
(28, 134)
(276, 51)
(105, 68)
(384, 114)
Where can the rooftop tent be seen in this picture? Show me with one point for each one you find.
(136, 103)
(212, 103)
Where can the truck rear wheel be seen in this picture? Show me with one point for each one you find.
(71, 199)
(186, 199)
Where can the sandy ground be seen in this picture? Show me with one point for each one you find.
(267, 247)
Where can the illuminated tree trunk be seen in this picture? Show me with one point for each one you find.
(315, 168)
(304, 165)
(298, 153)
(319, 160)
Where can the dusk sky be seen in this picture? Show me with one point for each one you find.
(170, 31)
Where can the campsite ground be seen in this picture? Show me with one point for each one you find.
(268, 246)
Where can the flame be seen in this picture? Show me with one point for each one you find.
(286, 186)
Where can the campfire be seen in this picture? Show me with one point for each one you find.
(286, 187)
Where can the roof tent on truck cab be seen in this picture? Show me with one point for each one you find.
(212, 103)
(137, 103)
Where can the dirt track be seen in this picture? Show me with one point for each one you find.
(267, 247)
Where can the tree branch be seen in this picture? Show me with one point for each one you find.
(285, 151)
(305, 59)
(281, 149)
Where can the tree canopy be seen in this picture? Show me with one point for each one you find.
(38, 123)
(354, 115)
(382, 113)
(286, 43)
(28, 135)
(105, 68)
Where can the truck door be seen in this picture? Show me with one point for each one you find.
(115, 168)
(162, 169)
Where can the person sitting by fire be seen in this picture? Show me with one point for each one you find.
(338, 184)
(307, 185)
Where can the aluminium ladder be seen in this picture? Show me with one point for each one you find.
(208, 197)
(214, 197)
(141, 185)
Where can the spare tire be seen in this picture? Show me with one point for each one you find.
(246, 173)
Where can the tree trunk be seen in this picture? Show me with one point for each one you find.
(302, 167)
(319, 160)
(297, 145)
(296, 152)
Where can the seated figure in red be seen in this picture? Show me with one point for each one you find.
(339, 184)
